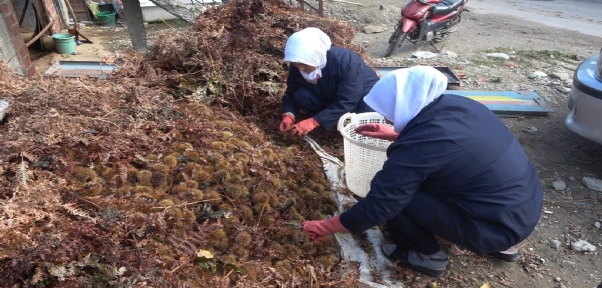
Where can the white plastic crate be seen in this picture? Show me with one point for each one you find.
(364, 156)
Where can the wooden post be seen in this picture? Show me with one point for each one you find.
(72, 12)
(135, 24)
(23, 13)
(41, 19)
(321, 8)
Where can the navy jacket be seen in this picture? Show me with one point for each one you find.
(345, 80)
(458, 149)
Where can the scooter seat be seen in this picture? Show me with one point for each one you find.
(443, 8)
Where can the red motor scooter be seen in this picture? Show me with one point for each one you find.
(426, 20)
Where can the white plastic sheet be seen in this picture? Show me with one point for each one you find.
(4, 102)
(350, 248)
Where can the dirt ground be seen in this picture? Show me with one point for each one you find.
(571, 213)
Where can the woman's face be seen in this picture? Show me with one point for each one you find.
(304, 67)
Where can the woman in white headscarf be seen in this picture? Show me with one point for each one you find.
(454, 170)
(324, 82)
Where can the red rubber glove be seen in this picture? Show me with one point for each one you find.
(319, 229)
(302, 128)
(380, 131)
(287, 122)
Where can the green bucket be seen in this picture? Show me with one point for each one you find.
(105, 18)
(64, 43)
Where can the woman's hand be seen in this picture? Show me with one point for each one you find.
(303, 127)
(376, 130)
(286, 123)
(319, 229)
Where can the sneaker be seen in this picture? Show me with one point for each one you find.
(510, 255)
(432, 265)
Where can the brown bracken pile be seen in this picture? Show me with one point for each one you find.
(171, 173)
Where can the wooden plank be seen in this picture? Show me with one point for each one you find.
(32, 40)
(80, 10)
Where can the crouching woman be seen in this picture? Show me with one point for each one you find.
(454, 171)
(324, 82)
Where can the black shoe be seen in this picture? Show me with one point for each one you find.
(408, 257)
(510, 255)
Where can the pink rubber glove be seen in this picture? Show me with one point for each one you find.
(287, 122)
(302, 128)
(380, 131)
(319, 229)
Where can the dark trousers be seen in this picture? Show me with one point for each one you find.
(311, 103)
(428, 215)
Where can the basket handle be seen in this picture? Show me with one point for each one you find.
(343, 119)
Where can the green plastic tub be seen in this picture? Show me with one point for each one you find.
(105, 18)
(64, 43)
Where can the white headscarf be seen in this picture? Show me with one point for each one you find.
(401, 94)
(308, 46)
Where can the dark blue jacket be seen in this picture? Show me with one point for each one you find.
(345, 80)
(458, 149)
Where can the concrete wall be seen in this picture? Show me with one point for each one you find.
(12, 45)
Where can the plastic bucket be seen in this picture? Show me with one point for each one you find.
(64, 43)
(105, 18)
(364, 156)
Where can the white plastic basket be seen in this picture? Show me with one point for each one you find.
(364, 156)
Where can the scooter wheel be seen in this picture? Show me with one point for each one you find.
(395, 40)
